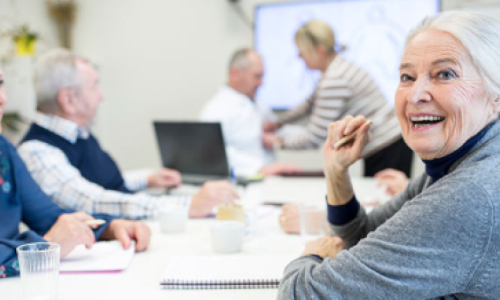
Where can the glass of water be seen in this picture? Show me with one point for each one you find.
(312, 221)
(39, 267)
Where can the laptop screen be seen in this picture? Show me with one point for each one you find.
(195, 148)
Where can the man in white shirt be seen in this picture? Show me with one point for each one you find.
(67, 162)
(241, 117)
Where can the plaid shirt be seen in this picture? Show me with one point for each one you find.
(52, 170)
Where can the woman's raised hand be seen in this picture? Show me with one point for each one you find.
(337, 159)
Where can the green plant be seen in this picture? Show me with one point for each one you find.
(24, 32)
(11, 121)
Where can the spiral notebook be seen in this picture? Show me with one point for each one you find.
(225, 272)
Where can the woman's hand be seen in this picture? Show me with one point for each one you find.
(70, 231)
(327, 246)
(125, 231)
(337, 160)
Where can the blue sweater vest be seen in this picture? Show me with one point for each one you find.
(86, 155)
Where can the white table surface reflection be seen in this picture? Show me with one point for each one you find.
(142, 279)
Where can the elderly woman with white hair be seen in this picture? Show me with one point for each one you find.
(439, 238)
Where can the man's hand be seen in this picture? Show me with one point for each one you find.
(289, 218)
(211, 194)
(395, 181)
(164, 178)
(70, 231)
(269, 140)
(325, 247)
(280, 168)
(126, 231)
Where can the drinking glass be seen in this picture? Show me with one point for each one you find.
(312, 221)
(39, 267)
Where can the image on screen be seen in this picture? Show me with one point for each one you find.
(373, 31)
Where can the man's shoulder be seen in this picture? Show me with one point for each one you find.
(29, 149)
(221, 105)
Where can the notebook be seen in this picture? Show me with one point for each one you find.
(103, 257)
(195, 149)
(225, 272)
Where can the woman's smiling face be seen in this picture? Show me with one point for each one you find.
(441, 100)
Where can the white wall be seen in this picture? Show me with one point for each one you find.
(18, 70)
(158, 60)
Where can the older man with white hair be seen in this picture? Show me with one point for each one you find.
(66, 160)
(241, 117)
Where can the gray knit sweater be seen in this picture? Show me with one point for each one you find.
(428, 242)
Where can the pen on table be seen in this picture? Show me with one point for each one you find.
(96, 222)
(349, 137)
(232, 177)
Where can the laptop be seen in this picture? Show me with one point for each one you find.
(195, 149)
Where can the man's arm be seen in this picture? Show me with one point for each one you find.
(136, 180)
(58, 178)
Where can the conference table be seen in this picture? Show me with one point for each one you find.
(141, 280)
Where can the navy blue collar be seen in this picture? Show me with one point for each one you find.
(437, 168)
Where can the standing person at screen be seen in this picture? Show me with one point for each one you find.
(344, 89)
(241, 118)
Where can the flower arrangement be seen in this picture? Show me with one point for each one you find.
(25, 41)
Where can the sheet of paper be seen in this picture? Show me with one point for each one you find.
(105, 257)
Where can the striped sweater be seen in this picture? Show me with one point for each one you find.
(344, 89)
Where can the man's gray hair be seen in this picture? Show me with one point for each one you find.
(55, 70)
(240, 58)
(478, 33)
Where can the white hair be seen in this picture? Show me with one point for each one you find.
(54, 71)
(240, 58)
(480, 36)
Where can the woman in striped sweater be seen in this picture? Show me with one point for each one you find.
(344, 89)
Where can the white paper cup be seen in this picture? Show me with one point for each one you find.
(227, 236)
(173, 219)
(39, 267)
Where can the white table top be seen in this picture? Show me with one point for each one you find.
(142, 279)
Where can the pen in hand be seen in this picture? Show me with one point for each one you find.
(95, 222)
(349, 137)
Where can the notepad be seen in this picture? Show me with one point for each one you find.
(225, 272)
(104, 257)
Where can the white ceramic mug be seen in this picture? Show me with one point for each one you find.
(227, 236)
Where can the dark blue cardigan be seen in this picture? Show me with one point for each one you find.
(22, 200)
